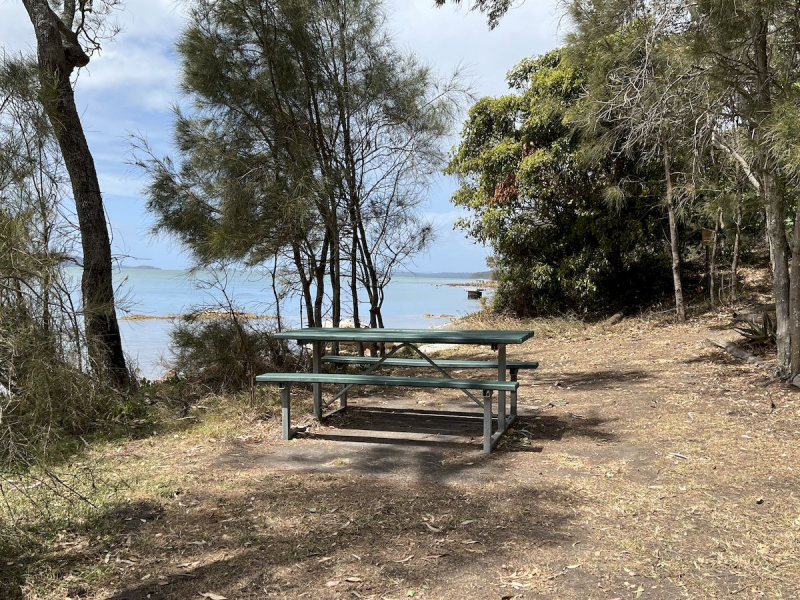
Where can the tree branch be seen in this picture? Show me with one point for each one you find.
(717, 141)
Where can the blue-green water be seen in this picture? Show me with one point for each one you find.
(417, 302)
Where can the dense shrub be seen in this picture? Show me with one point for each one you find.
(537, 194)
(226, 352)
(587, 260)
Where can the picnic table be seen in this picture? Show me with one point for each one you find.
(320, 337)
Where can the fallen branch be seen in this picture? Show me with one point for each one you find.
(738, 352)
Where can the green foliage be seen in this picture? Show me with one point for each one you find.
(46, 391)
(225, 354)
(310, 140)
(558, 245)
(759, 333)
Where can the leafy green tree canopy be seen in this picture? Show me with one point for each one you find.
(557, 243)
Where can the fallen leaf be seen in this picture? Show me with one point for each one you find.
(405, 560)
(353, 579)
(333, 583)
(432, 528)
(212, 596)
(575, 566)
(433, 556)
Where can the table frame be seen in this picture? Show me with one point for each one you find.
(319, 337)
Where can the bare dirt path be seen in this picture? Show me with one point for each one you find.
(644, 465)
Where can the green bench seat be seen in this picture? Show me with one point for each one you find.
(285, 380)
(511, 365)
(388, 380)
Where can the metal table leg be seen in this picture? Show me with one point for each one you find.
(343, 389)
(316, 367)
(501, 395)
(514, 396)
(487, 421)
(286, 418)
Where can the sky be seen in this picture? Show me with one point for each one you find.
(130, 87)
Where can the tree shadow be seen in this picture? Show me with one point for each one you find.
(594, 380)
(122, 518)
(427, 445)
(382, 530)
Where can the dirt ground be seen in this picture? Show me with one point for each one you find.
(645, 464)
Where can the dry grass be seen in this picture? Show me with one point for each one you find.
(646, 465)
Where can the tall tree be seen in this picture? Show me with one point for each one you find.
(310, 126)
(60, 40)
(749, 51)
(642, 92)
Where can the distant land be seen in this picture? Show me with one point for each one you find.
(146, 267)
(439, 275)
(448, 275)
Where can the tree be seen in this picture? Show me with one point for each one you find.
(749, 52)
(541, 206)
(643, 93)
(60, 52)
(309, 126)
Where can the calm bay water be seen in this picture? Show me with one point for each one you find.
(417, 302)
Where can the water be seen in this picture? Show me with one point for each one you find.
(411, 302)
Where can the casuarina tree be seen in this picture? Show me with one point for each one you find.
(65, 41)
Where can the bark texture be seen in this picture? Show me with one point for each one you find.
(59, 54)
(673, 238)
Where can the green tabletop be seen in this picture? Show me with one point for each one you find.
(417, 336)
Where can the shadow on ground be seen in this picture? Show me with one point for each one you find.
(388, 536)
(413, 444)
(593, 380)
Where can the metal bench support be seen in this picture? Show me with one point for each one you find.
(316, 366)
(286, 411)
(501, 395)
(487, 422)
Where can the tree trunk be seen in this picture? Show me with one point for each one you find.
(275, 293)
(712, 271)
(794, 297)
(773, 197)
(673, 238)
(776, 217)
(59, 54)
(319, 279)
(735, 261)
(354, 276)
(305, 286)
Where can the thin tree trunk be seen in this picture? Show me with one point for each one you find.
(673, 238)
(59, 55)
(780, 276)
(305, 285)
(275, 292)
(712, 271)
(794, 297)
(354, 276)
(737, 237)
(319, 280)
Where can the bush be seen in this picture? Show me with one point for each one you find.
(226, 352)
(44, 394)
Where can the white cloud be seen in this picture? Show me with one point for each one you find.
(448, 37)
(148, 74)
(16, 31)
